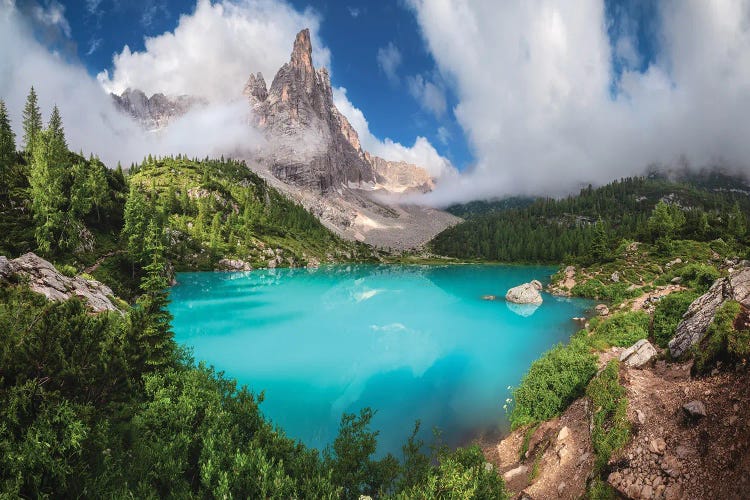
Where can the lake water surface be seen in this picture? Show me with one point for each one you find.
(412, 342)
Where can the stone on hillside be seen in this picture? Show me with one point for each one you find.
(45, 279)
(563, 434)
(520, 470)
(524, 294)
(615, 277)
(602, 310)
(234, 265)
(701, 312)
(694, 409)
(638, 354)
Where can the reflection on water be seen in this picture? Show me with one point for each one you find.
(412, 342)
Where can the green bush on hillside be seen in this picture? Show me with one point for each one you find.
(553, 382)
(611, 429)
(722, 342)
(621, 330)
(668, 314)
(699, 276)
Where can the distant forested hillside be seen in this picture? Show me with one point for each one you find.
(485, 207)
(551, 230)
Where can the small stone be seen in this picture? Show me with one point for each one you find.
(647, 492)
(563, 452)
(583, 457)
(488, 467)
(733, 420)
(695, 409)
(659, 491)
(520, 470)
(641, 417)
(633, 490)
(602, 310)
(657, 446)
(563, 434)
(560, 489)
(614, 478)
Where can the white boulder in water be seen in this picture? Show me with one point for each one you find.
(527, 293)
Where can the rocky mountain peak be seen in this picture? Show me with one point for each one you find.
(301, 59)
(154, 112)
(255, 88)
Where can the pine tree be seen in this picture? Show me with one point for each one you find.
(32, 122)
(47, 197)
(136, 223)
(7, 140)
(156, 338)
(599, 249)
(737, 223)
(97, 185)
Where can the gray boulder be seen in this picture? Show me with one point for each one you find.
(638, 354)
(694, 409)
(701, 312)
(45, 279)
(524, 294)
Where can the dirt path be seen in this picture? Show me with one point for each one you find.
(672, 456)
(100, 260)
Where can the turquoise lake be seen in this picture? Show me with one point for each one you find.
(412, 342)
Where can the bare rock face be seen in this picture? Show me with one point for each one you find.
(638, 354)
(45, 279)
(310, 143)
(524, 294)
(701, 312)
(154, 112)
(399, 176)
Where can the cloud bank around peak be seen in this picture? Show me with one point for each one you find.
(214, 49)
(548, 99)
(422, 153)
(92, 123)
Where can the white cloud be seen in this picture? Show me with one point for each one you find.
(533, 81)
(52, 16)
(92, 124)
(93, 45)
(430, 96)
(444, 135)
(213, 50)
(422, 153)
(389, 59)
(92, 6)
(354, 12)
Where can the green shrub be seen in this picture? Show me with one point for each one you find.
(553, 382)
(611, 429)
(621, 330)
(67, 270)
(461, 474)
(668, 313)
(699, 276)
(720, 335)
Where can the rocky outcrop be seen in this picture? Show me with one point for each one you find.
(154, 112)
(399, 176)
(310, 143)
(639, 354)
(701, 312)
(45, 279)
(524, 294)
(234, 265)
